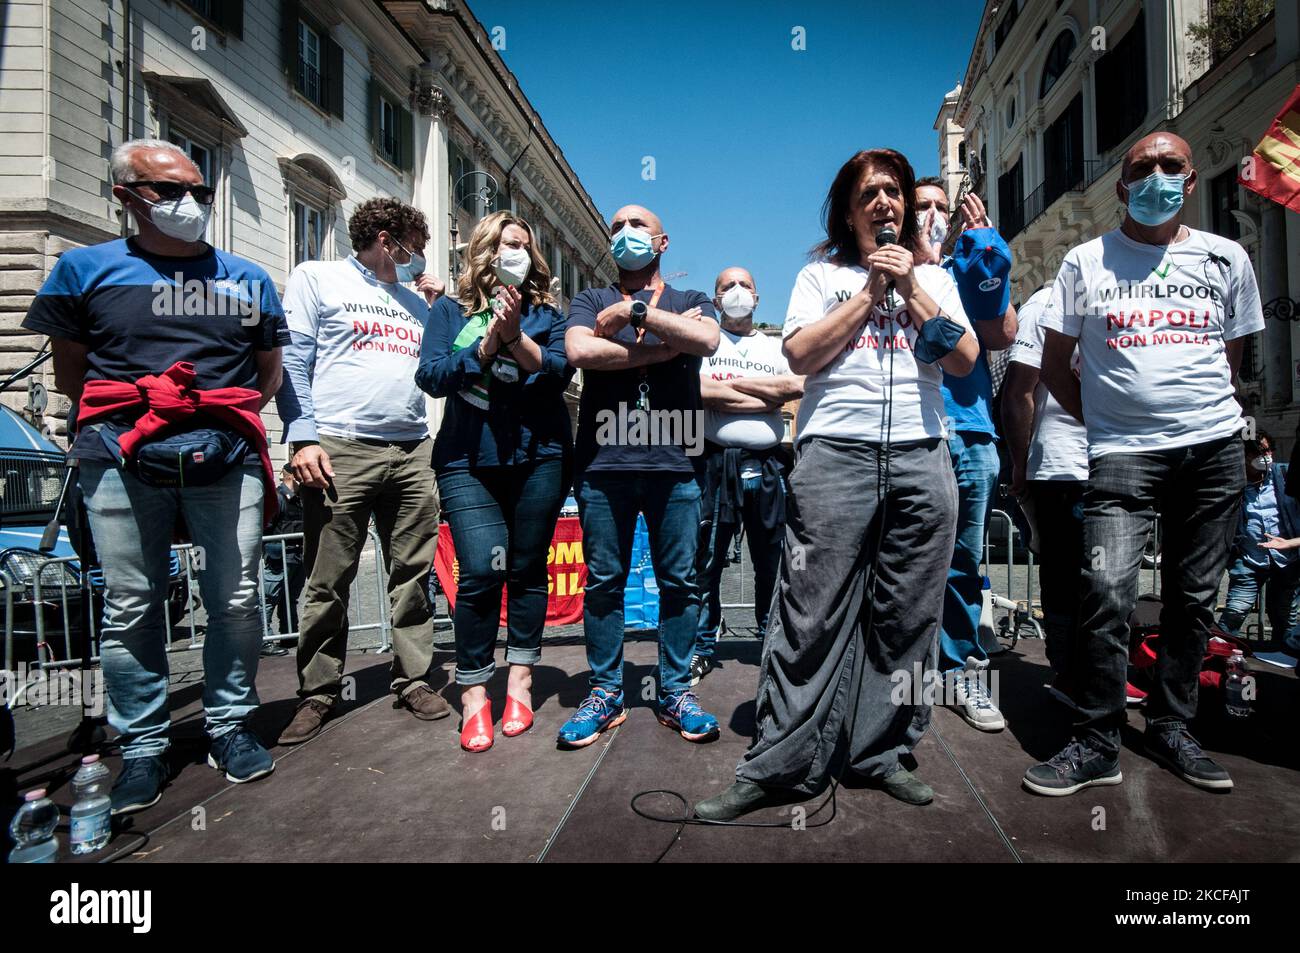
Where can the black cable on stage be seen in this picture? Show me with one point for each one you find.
(882, 493)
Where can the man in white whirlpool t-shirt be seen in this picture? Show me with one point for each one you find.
(1159, 312)
(743, 386)
(355, 422)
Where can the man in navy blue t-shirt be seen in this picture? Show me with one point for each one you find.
(639, 344)
(120, 311)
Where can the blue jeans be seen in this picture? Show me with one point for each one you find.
(283, 576)
(975, 466)
(132, 527)
(502, 520)
(608, 503)
(1280, 584)
(1197, 492)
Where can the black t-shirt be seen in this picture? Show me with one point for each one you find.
(138, 314)
(607, 437)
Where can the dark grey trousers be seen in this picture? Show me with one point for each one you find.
(837, 641)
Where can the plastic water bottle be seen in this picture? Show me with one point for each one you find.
(32, 830)
(92, 810)
(1234, 686)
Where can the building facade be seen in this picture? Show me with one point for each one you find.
(1056, 91)
(296, 111)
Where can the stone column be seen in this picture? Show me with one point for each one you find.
(433, 110)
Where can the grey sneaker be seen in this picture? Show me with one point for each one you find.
(971, 697)
(1171, 744)
(1075, 767)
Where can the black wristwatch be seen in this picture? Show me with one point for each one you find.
(639, 310)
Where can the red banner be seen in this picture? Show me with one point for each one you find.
(1274, 169)
(564, 562)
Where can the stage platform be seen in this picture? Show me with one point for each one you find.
(378, 785)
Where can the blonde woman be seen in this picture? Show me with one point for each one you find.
(496, 352)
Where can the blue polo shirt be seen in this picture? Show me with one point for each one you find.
(525, 421)
(139, 313)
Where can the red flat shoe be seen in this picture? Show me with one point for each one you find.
(517, 719)
(476, 734)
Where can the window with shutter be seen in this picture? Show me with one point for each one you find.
(332, 101)
(1121, 81)
(313, 61)
(225, 15)
(392, 128)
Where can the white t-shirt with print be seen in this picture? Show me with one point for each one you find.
(356, 341)
(1153, 322)
(849, 397)
(1058, 449)
(744, 355)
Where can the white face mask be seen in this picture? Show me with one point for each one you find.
(737, 302)
(512, 266)
(183, 219)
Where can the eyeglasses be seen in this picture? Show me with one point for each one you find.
(171, 191)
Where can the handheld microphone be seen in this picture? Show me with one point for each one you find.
(887, 236)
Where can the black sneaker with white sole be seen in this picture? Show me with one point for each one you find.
(1172, 745)
(701, 665)
(1077, 766)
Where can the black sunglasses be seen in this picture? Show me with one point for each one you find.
(170, 191)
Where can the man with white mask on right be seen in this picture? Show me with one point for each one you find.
(743, 385)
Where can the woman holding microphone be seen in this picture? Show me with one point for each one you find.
(872, 503)
(496, 352)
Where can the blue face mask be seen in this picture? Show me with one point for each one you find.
(632, 248)
(412, 269)
(1156, 199)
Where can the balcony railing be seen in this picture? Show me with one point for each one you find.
(1094, 169)
(1074, 178)
(309, 81)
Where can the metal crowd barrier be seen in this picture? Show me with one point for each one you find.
(66, 593)
(737, 563)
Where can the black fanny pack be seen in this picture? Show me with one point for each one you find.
(196, 457)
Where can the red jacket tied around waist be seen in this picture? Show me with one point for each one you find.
(168, 401)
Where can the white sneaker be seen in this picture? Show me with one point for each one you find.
(971, 697)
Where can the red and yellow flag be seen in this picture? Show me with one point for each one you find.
(1275, 170)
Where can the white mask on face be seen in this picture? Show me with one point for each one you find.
(737, 302)
(183, 219)
(512, 266)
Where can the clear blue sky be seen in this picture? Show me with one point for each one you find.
(746, 132)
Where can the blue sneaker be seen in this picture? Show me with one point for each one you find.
(682, 713)
(601, 711)
(241, 756)
(140, 784)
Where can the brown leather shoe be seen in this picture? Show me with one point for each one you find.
(424, 703)
(306, 724)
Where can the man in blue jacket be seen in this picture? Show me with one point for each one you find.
(981, 267)
(1266, 511)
